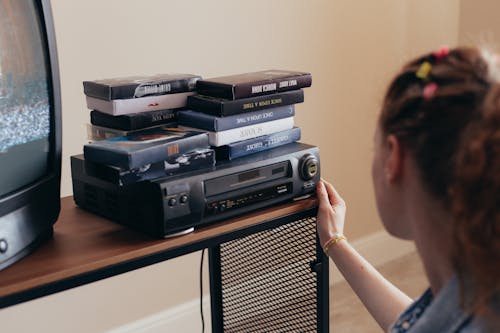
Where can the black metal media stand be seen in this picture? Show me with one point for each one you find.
(267, 271)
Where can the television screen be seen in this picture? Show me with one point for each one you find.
(30, 128)
(24, 96)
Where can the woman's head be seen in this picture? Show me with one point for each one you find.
(444, 110)
(430, 127)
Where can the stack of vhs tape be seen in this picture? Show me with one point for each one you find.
(133, 132)
(246, 113)
(124, 105)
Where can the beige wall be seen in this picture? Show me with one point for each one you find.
(479, 23)
(352, 48)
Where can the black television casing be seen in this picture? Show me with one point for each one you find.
(27, 214)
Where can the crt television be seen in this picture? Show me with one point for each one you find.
(30, 128)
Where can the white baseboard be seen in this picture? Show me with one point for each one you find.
(181, 318)
(377, 248)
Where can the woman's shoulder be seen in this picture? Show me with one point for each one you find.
(479, 325)
(489, 322)
(442, 313)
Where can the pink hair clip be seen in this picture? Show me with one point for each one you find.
(429, 90)
(441, 53)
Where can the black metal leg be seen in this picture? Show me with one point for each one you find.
(215, 289)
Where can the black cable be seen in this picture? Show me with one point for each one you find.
(201, 292)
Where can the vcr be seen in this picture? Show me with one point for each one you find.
(170, 205)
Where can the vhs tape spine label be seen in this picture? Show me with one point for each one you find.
(268, 102)
(261, 143)
(223, 108)
(217, 139)
(110, 89)
(133, 121)
(249, 90)
(161, 88)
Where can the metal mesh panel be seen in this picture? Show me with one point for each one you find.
(267, 281)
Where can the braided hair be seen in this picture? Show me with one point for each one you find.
(453, 132)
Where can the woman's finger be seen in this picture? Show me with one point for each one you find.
(334, 196)
(322, 193)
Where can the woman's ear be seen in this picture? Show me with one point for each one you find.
(394, 159)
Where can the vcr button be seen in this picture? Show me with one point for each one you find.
(3, 246)
(222, 207)
(172, 202)
(308, 167)
(183, 198)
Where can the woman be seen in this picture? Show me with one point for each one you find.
(436, 174)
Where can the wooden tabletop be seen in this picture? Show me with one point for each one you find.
(84, 242)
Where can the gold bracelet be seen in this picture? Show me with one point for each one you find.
(332, 241)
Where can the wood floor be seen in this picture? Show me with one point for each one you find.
(347, 313)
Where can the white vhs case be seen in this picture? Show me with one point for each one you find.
(118, 107)
(222, 138)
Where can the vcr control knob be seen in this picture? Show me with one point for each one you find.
(308, 166)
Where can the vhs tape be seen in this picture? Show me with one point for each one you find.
(255, 145)
(216, 124)
(98, 133)
(140, 86)
(201, 159)
(226, 137)
(134, 121)
(222, 107)
(145, 147)
(253, 84)
(118, 107)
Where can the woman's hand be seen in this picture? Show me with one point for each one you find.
(331, 212)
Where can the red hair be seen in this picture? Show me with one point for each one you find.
(454, 137)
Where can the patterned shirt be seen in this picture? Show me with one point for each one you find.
(441, 314)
